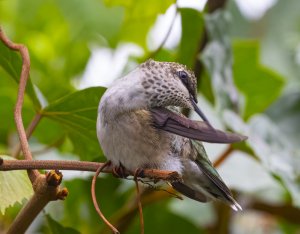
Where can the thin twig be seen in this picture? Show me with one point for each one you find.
(223, 156)
(93, 189)
(18, 108)
(155, 52)
(36, 119)
(138, 198)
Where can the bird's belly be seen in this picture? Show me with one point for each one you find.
(131, 141)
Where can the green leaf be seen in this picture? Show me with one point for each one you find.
(84, 216)
(164, 221)
(273, 148)
(77, 113)
(285, 112)
(14, 187)
(217, 58)
(260, 85)
(88, 20)
(11, 62)
(191, 35)
(57, 228)
(139, 17)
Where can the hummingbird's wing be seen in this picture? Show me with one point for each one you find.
(173, 122)
(208, 179)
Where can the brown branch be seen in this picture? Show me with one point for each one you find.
(18, 109)
(223, 156)
(9, 165)
(96, 205)
(46, 189)
(36, 119)
(285, 211)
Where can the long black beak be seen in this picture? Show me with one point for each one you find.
(200, 113)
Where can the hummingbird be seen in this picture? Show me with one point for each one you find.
(139, 125)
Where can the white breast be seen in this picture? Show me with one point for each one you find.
(132, 141)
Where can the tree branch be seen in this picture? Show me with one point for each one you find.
(8, 165)
(223, 156)
(46, 189)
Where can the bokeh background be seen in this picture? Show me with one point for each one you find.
(246, 55)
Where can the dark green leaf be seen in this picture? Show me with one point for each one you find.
(191, 35)
(161, 220)
(77, 113)
(57, 228)
(83, 215)
(11, 62)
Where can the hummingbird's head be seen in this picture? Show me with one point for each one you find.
(170, 84)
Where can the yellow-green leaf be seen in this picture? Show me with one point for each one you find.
(14, 187)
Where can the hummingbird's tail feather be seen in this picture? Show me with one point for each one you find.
(201, 196)
(236, 206)
(189, 192)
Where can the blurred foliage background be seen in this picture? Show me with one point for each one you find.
(247, 61)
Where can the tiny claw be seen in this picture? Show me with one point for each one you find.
(139, 172)
(54, 178)
(62, 194)
(119, 171)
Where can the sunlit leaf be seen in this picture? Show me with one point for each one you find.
(139, 17)
(14, 187)
(260, 85)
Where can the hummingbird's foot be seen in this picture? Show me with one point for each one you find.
(139, 172)
(119, 171)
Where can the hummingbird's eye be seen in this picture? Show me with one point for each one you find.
(183, 76)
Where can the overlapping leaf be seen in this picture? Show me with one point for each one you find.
(11, 62)
(139, 17)
(14, 187)
(191, 35)
(77, 113)
(260, 85)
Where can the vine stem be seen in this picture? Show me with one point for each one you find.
(20, 99)
(94, 198)
(36, 119)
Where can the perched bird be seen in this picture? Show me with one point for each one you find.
(139, 126)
